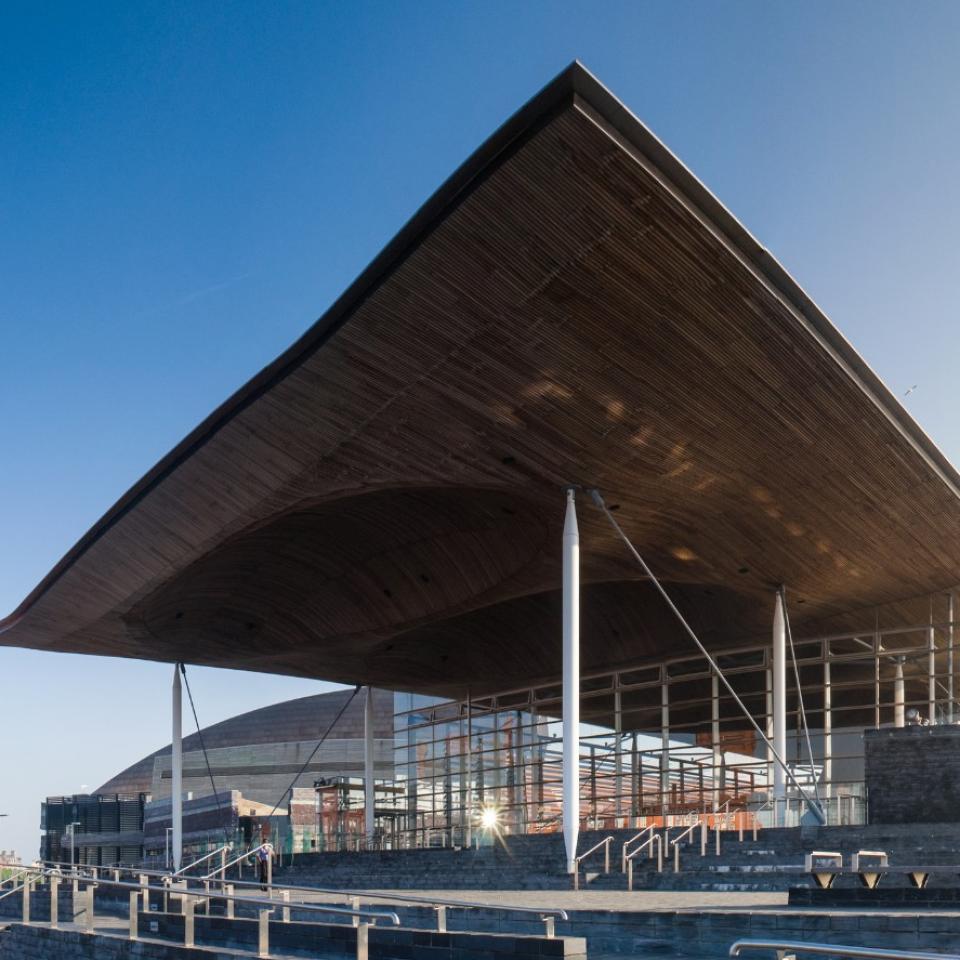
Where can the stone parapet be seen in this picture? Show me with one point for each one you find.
(913, 774)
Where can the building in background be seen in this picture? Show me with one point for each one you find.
(255, 759)
(92, 828)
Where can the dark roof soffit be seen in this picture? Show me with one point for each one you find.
(574, 85)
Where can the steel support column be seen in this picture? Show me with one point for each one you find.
(618, 753)
(876, 681)
(931, 670)
(369, 788)
(769, 724)
(176, 771)
(469, 809)
(950, 687)
(898, 694)
(715, 741)
(571, 682)
(664, 740)
(827, 726)
(779, 708)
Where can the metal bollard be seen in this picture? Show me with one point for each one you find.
(228, 889)
(717, 831)
(285, 896)
(54, 902)
(355, 905)
(134, 914)
(187, 907)
(263, 933)
(549, 927)
(441, 912)
(363, 941)
(676, 858)
(144, 882)
(26, 901)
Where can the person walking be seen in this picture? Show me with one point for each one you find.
(264, 853)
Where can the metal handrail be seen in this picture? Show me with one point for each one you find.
(654, 838)
(605, 843)
(13, 890)
(79, 866)
(243, 856)
(623, 849)
(675, 843)
(424, 901)
(226, 847)
(725, 807)
(789, 948)
(545, 913)
(756, 816)
(13, 876)
(313, 907)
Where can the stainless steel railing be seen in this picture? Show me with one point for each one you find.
(605, 843)
(362, 918)
(243, 856)
(547, 915)
(627, 843)
(13, 877)
(788, 950)
(653, 839)
(219, 852)
(677, 840)
(13, 890)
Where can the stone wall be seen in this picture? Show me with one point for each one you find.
(220, 938)
(704, 935)
(913, 774)
(41, 943)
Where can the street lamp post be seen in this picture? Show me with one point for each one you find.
(72, 830)
(167, 842)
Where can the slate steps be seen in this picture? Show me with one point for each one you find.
(771, 862)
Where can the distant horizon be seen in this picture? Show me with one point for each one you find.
(189, 188)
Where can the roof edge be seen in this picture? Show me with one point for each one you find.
(619, 117)
(574, 81)
(494, 150)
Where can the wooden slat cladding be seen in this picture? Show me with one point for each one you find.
(389, 510)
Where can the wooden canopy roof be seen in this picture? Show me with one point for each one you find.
(383, 502)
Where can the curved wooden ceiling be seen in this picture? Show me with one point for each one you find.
(383, 503)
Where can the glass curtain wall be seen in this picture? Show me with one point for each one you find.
(659, 742)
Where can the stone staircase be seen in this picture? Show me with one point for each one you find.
(523, 863)
(773, 862)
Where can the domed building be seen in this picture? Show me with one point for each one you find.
(260, 764)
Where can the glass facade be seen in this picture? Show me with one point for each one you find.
(660, 741)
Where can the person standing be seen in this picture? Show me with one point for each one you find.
(264, 853)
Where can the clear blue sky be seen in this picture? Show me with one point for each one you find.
(184, 188)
